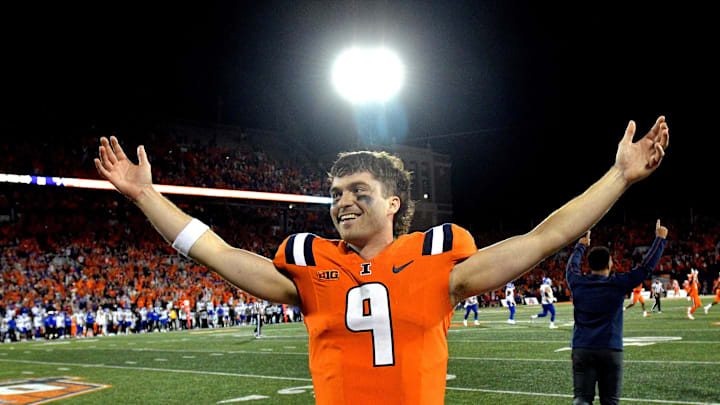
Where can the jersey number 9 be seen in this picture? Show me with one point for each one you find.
(367, 309)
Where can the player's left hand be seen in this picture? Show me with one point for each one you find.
(637, 160)
(585, 240)
(660, 231)
(554, 299)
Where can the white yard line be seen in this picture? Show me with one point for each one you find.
(684, 362)
(164, 370)
(265, 352)
(541, 394)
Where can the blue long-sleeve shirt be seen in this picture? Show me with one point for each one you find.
(598, 300)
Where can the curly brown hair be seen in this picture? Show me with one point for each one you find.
(388, 170)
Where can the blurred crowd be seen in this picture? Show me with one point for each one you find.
(76, 262)
(190, 161)
(72, 253)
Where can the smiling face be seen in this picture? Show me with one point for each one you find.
(361, 211)
(387, 169)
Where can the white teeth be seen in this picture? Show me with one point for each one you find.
(348, 216)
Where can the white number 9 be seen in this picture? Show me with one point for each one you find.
(368, 310)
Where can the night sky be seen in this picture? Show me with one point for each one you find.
(529, 99)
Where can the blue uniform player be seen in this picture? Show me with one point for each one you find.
(510, 301)
(547, 299)
(90, 323)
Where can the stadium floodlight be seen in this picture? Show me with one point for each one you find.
(164, 189)
(367, 75)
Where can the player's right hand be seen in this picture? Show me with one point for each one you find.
(127, 177)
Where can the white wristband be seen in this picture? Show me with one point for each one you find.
(189, 235)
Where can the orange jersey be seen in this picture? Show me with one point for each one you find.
(693, 288)
(378, 327)
(637, 294)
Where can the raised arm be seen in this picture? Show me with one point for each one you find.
(246, 270)
(505, 261)
(643, 270)
(574, 263)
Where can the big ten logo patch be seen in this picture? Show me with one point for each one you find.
(328, 275)
(42, 390)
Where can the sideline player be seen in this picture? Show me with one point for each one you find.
(510, 300)
(393, 289)
(547, 298)
(693, 293)
(716, 287)
(637, 296)
(676, 288)
(471, 304)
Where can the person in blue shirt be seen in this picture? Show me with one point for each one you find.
(68, 324)
(598, 311)
(50, 328)
(11, 323)
(89, 323)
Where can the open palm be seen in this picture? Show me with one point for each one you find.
(127, 177)
(636, 160)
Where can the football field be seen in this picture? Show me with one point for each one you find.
(669, 359)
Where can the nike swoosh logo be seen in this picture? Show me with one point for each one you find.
(399, 269)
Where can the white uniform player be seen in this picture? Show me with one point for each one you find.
(510, 300)
(471, 304)
(547, 298)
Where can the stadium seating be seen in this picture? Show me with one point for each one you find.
(68, 250)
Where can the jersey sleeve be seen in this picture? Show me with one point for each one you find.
(449, 238)
(463, 243)
(279, 259)
(296, 249)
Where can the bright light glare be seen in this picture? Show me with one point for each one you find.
(367, 75)
(165, 189)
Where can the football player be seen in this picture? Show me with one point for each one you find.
(377, 303)
(471, 304)
(547, 298)
(510, 300)
(676, 288)
(637, 296)
(693, 293)
(90, 327)
(716, 288)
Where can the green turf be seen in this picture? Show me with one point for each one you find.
(491, 363)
